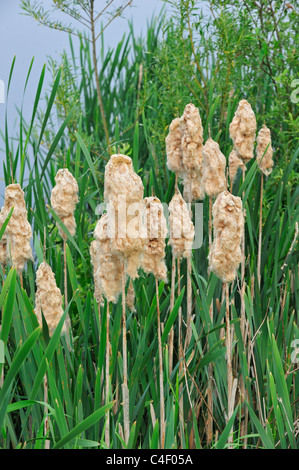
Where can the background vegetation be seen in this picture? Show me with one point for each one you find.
(241, 49)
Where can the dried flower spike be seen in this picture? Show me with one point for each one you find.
(154, 250)
(130, 297)
(181, 227)
(242, 131)
(64, 198)
(234, 163)
(48, 299)
(15, 243)
(108, 275)
(264, 157)
(228, 222)
(94, 257)
(192, 143)
(174, 150)
(124, 194)
(214, 163)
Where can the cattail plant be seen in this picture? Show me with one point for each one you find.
(264, 154)
(48, 302)
(225, 257)
(174, 150)
(234, 163)
(153, 262)
(123, 193)
(108, 268)
(242, 131)
(64, 198)
(15, 243)
(181, 236)
(214, 181)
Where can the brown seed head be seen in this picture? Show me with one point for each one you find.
(228, 222)
(242, 130)
(15, 243)
(64, 198)
(264, 157)
(214, 163)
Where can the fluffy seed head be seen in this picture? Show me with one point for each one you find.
(214, 163)
(15, 243)
(130, 298)
(181, 227)
(48, 299)
(242, 131)
(234, 163)
(174, 148)
(64, 198)
(108, 275)
(192, 142)
(94, 257)
(228, 222)
(154, 249)
(265, 162)
(124, 194)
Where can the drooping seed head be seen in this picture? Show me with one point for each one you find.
(264, 150)
(234, 163)
(48, 299)
(64, 198)
(154, 250)
(214, 163)
(242, 131)
(15, 245)
(181, 227)
(228, 223)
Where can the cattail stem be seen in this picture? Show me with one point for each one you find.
(260, 234)
(210, 222)
(228, 358)
(171, 334)
(46, 422)
(65, 274)
(107, 428)
(189, 288)
(181, 400)
(210, 392)
(162, 412)
(125, 390)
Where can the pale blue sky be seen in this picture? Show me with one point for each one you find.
(20, 36)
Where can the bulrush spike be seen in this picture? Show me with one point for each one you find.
(192, 143)
(214, 163)
(228, 223)
(107, 264)
(154, 251)
(234, 163)
(64, 198)
(123, 193)
(15, 243)
(264, 150)
(242, 131)
(48, 299)
(181, 227)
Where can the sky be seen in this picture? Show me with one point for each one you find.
(22, 37)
